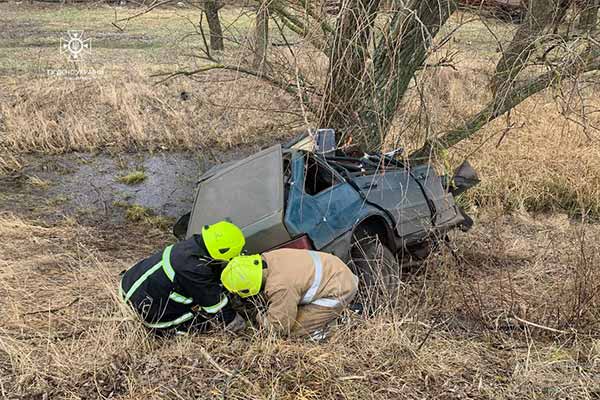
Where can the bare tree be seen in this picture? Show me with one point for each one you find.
(375, 55)
(534, 45)
(261, 35)
(211, 9)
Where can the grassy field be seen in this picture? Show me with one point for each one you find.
(120, 107)
(514, 314)
(513, 317)
(31, 36)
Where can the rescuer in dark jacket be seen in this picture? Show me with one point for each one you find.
(179, 288)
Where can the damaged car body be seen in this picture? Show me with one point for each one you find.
(329, 201)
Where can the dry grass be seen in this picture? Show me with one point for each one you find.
(119, 106)
(455, 333)
(9, 164)
(130, 113)
(546, 163)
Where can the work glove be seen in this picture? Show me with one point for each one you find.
(238, 324)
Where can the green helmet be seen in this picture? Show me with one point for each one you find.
(223, 240)
(243, 275)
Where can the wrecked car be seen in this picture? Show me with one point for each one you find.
(292, 196)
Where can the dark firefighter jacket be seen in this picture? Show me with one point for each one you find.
(175, 286)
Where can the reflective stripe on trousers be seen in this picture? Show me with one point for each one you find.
(161, 325)
(309, 296)
(217, 307)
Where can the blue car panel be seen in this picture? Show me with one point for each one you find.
(329, 197)
(399, 193)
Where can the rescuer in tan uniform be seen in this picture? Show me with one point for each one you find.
(304, 290)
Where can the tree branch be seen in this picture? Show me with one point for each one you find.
(52, 310)
(543, 14)
(325, 26)
(292, 21)
(289, 19)
(288, 87)
(151, 7)
(501, 105)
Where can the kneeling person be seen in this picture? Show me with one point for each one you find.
(304, 290)
(179, 288)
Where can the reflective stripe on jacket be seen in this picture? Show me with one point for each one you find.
(298, 277)
(167, 287)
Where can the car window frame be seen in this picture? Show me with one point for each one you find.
(323, 162)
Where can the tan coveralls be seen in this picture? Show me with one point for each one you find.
(305, 290)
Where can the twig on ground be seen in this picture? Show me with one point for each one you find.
(52, 310)
(352, 378)
(221, 369)
(547, 328)
(100, 319)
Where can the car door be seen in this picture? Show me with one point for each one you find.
(321, 203)
(247, 192)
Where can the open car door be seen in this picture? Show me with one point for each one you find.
(250, 194)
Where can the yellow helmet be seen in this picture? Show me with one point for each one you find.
(243, 275)
(223, 240)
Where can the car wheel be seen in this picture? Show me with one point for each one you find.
(376, 267)
(181, 226)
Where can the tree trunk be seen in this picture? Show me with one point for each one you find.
(588, 20)
(397, 58)
(211, 8)
(364, 90)
(261, 36)
(542, 14)
(347, 64)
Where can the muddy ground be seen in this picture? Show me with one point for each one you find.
(88, 187)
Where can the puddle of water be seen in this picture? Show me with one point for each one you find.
(93, 182)
(88, 184)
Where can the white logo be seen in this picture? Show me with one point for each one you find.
(75, 45)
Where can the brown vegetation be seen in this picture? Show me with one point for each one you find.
(129, 113)
(515, 317)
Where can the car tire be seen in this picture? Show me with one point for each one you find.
(376, 266)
